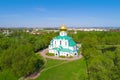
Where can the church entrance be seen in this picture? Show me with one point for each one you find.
(67, 54)
(75, 53)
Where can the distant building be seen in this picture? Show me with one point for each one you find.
(89, 29)
(6, 32)
(63, 45)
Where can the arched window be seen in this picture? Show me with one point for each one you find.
(60, 42)
(65, 43)
(62, 33)
(75, 54)
(55, 42)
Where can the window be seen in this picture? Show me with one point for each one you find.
(65, 43)
(60, 42)
(75, 54)
(55, 42)
(67, 54)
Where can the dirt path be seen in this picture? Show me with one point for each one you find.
(37, 74)
(55, 66)
(43, 54)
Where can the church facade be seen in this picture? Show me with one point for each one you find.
(63, 45)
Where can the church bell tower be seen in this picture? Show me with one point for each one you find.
(63, 30)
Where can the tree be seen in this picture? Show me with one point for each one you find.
(22, 60)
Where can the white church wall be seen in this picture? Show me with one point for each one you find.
(51, 51)
(55, 43)
(63, 33)
(71, 54)
(49, 47)
(65, 43)
(58, 43)
(64, 54)
(71, 48)
(75, 47)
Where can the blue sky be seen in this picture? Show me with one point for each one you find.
(53, 13)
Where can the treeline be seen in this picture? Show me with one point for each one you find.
(101, 51)
(17, 53)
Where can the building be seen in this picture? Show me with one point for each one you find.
(63, 45)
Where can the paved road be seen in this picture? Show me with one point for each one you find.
(43, 54)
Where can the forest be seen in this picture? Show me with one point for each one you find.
(18, 57)
(101, 51)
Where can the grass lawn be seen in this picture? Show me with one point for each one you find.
(52, 62)
(64, 70)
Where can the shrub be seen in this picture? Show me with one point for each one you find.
(62, 56)
(50, 54)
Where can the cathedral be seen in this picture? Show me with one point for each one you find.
(63, 45)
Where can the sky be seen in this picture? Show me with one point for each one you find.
(53, 13)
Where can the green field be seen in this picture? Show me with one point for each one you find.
(64, 70)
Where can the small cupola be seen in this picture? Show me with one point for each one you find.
(63, 28)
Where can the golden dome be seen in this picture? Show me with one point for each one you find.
(63, 28)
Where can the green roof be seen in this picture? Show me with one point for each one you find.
(58, 49)
(66, 50)
(71, 43)
(63, 37)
